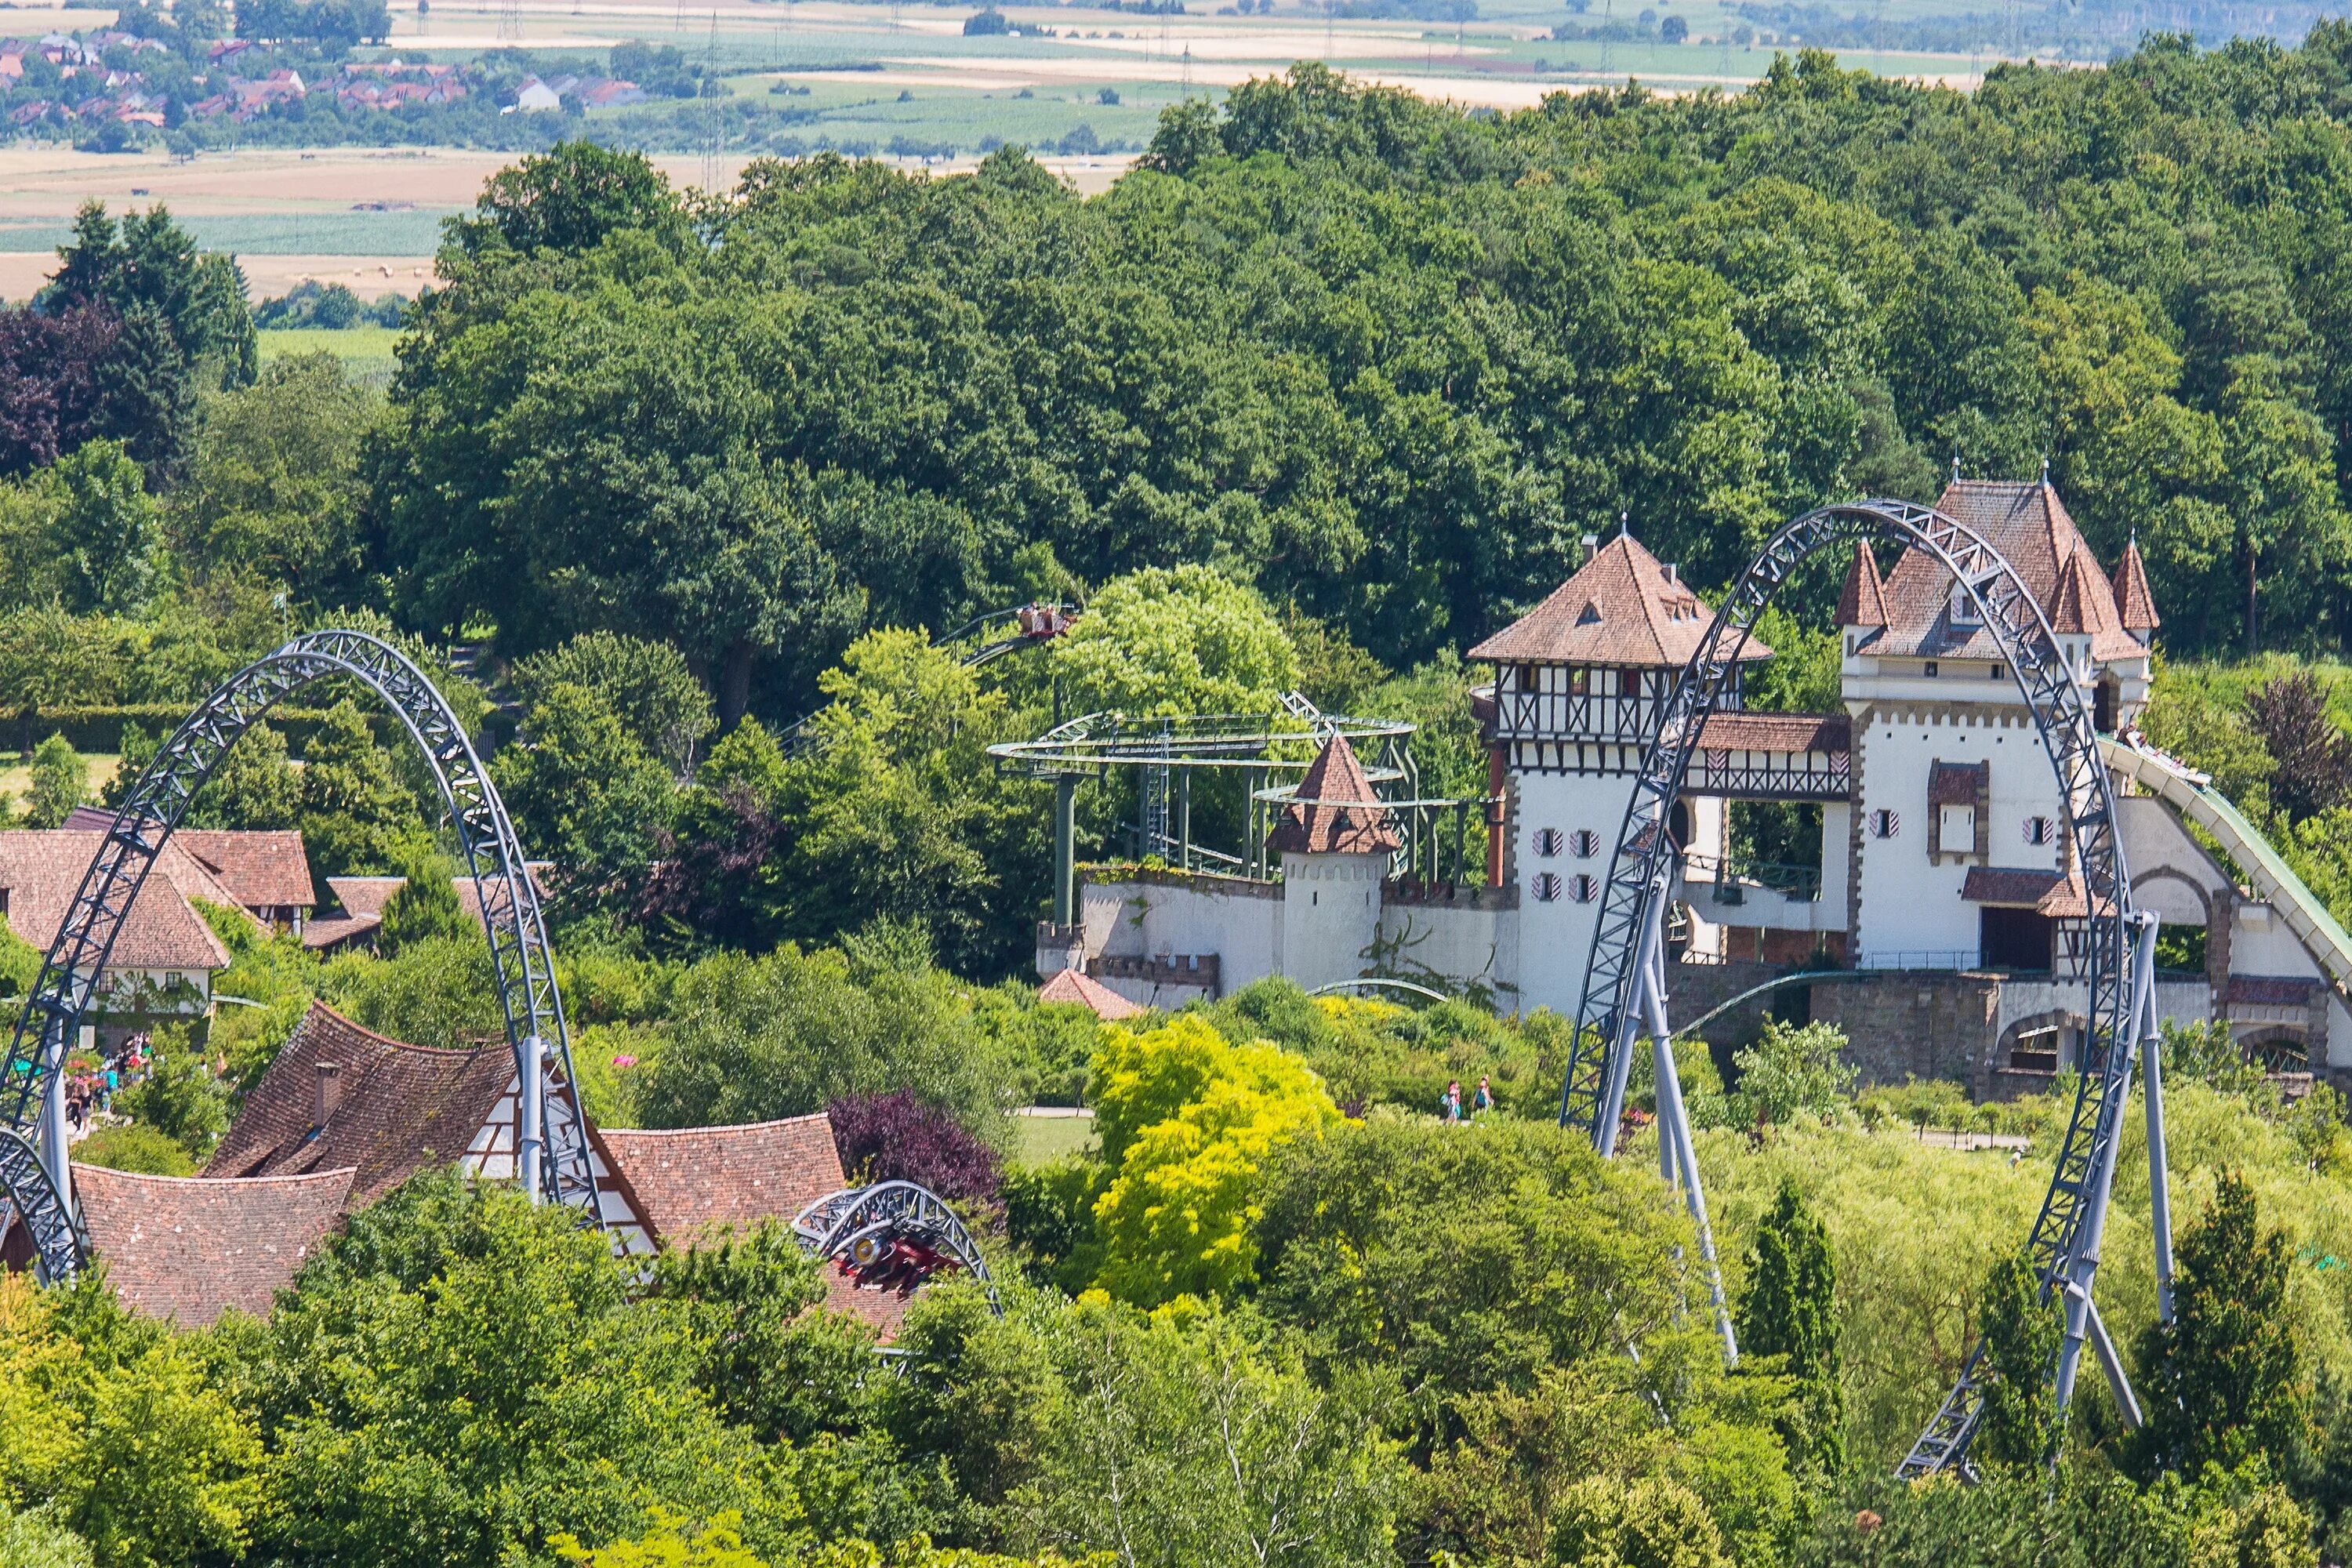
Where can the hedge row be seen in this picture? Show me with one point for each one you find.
(100, 729)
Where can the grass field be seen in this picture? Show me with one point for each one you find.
(16, 776)
(1041, 1138)
(366, 351)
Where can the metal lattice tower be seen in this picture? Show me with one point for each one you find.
(32, 1076)
(1624, 988)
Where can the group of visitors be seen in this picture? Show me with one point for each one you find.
(90, 1094)
(1449, 1104)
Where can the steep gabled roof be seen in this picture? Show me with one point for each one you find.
(1335, 812)
(189, 1247)
(265, 868)
(692, 1180)
(2134, 605)
(1078, 986)
(41, 870)
(400, 1108)
(1619, 608)
(1863, 603)
(2028, 524)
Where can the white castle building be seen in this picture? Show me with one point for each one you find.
(1945, 863)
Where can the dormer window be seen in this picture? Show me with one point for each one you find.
(1964, 608)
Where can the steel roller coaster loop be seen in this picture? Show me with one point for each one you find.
(552, 1154)
(1625, 991)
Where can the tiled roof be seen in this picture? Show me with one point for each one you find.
(264, 870)
(41, 870)
(1334, 812)
(2045, 892)
(2134, 605)
(690, 1180)
(2028, 524)
(400, 1108)
(1619, 608)
(1077, 986)
(2271, 991)
(1776, 732)
(188, 1248)
(1862, 602)
(1954, 784)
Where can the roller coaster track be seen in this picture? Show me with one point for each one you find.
(2191, 794)
(553, 1155)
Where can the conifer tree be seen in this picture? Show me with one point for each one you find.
(2022, 1336)
(2230, 1377)
(1790, 1312)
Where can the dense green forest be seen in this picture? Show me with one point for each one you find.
(1332, 387)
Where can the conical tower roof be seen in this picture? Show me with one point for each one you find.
(1335, 811)
(2134, 601)
(1864, 602)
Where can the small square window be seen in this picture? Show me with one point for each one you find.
(1929, 669)
(1583, 843)
(2040, 830)
(1547, 842)
(1545, 887)
(1581, 888)
(1885, 824)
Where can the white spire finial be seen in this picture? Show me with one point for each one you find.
(1624, 525)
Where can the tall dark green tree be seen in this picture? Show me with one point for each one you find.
(2022, 1336)
(1790, 1312)
(355, 817)
(2229, 1379)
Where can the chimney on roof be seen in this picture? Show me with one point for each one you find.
(1592, 545)
(329, 1092)
(1672, 567)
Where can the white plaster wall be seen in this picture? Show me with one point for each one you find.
(1330, 911)
(1554, 939)
(1909, 904)
(2263, 944)
(2338, 1048)
(1837, 823)
(2153, 838)
(1465, 946)
(1149, 920)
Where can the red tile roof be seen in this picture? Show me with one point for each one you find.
(2046, 893)
(188, 1248)
(1619, 608)
(1862, 602)
(2134, 605)
(690, 1180)
(401, 1108)
(1792, 732)
(2028, 524)
(41, 870)
(1335, 811)
(265, 868)
(1954, 784)
(1077, 986)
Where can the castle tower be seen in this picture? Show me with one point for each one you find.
(1335, 838)
(1957, 839)
(1579, 684)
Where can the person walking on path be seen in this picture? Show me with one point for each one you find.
(1483, 1101)
(1449, 1104)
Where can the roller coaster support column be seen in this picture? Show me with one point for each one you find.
(57, 1142)
(2151, 1051)
(1066, 849)
(1676, 1157)
(530, 1114)
(2081, 1272)
(1621, 1051)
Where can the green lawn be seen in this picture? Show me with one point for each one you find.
(366, 351)
(1038, 1139)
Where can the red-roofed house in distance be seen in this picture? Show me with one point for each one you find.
(165, 956)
